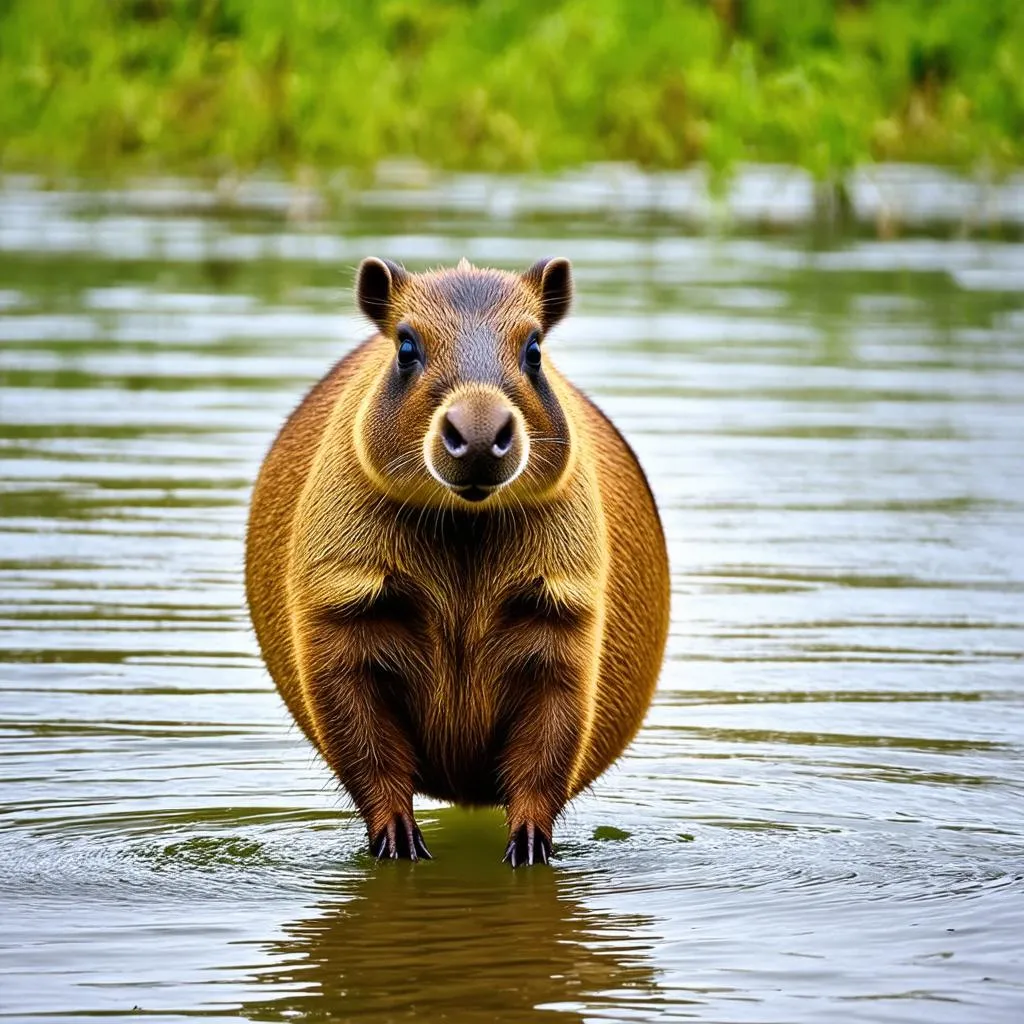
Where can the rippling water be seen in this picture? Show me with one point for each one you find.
(822, 819)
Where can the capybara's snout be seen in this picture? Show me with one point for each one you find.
(476, 443)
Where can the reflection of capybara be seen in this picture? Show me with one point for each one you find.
(455, 566)
(464, 944)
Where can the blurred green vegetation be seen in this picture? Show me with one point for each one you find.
(211, 86)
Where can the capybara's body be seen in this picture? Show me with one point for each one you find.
(455, 567)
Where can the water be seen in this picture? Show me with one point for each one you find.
(822, 818)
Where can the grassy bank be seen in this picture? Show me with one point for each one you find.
(208, 86)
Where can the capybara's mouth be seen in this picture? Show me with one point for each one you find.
(474, 492)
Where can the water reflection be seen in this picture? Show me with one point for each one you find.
(460, 938)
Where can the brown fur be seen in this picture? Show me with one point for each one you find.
(502, 651)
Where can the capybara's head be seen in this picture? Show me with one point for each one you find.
(465, 411)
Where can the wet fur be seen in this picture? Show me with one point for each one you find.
(495, 654)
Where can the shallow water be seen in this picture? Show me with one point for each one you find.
(822, 819)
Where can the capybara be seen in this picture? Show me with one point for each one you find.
(455, 566)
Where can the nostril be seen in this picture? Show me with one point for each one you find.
(454, 442)
(503, 438)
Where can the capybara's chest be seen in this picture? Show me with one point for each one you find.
(461, 646)
(453, 691)
(462, 631)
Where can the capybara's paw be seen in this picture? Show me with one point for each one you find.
(400, 839)
(528, 844)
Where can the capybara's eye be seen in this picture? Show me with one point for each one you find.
(409, 353)
(531, 354)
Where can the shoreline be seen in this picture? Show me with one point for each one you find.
(886, 200)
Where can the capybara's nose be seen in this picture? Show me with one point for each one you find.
(471, 428)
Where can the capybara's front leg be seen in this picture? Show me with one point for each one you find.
(358, 736)
(550, 662)
(537, 766)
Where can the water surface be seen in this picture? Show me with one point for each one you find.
(822, 818)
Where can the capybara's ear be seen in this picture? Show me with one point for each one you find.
(376, 285)
(552, 280)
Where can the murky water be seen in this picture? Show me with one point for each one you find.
(823, 818)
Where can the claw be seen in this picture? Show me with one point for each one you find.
(419, 846)
(400, 838)
(527, 845)
(510, 854)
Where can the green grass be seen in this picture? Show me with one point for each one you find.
(108, 87)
